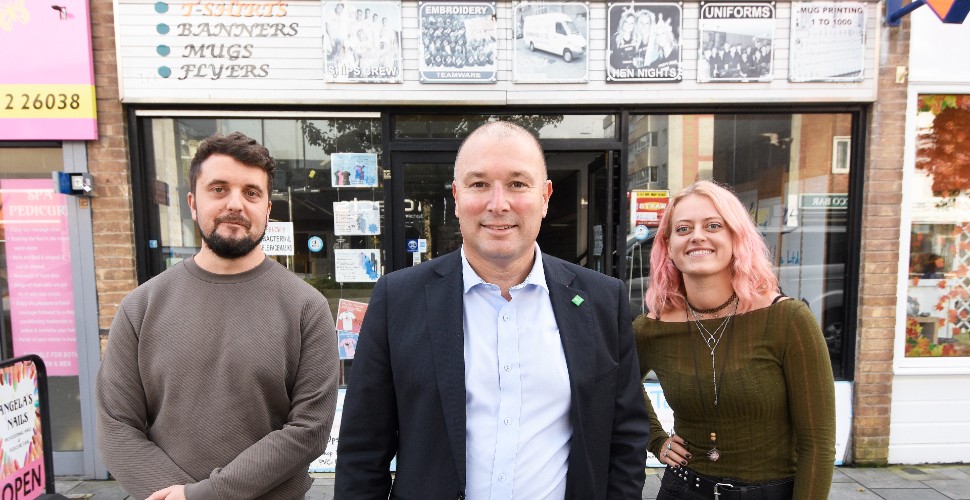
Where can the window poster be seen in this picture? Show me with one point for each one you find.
(356, 218)
(39, 278)
(828, 42)
(353, 170)
(551, 42)
(458, 42)
(362, 42)
(644, 42)
(350, 314)
(21, 437)
(736, 42)
(278, 239)
(938, 190)
(357, 265)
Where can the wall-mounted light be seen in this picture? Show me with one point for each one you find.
(62, 9)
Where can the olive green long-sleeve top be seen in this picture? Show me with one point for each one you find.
(775, 416)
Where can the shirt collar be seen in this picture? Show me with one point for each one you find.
(537, 276)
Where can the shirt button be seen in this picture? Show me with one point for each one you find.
(508, 421)
(501, 477)
(508, 368)
(506, 317)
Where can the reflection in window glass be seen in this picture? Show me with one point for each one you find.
(780, 165)
(938, 296)
(545, 126)
(320, 164)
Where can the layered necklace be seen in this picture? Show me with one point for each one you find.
(712, 340)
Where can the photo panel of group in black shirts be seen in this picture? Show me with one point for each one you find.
(736, 42)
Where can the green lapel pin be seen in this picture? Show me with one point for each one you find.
(577, 300)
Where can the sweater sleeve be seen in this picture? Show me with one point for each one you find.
(657, 433)
(132, 458)
(288, 451)
(811, 400)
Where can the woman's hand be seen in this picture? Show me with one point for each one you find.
(674, 452)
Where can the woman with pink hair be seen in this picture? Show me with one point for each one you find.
(745, 369)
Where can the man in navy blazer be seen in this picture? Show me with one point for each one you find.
(496, 371)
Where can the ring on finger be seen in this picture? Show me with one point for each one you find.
(665, 454)
(668, 445)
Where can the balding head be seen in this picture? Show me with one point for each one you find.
(498, 131)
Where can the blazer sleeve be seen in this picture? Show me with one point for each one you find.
(368, 435)
(628, 444)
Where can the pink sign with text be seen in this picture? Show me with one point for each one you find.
(39, 273)
(47, 80)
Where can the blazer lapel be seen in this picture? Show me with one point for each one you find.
(574, 320)
(443, 302)
(575, 323)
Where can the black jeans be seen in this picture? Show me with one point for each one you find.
(685, 484)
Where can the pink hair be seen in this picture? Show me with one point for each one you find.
(752, 274)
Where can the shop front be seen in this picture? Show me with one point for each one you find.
(47, 112)
(932, 342)
(365, 124)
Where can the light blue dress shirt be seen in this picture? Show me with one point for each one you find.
(517, 398)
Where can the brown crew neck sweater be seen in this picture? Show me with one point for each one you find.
(776, 410)
(224, 383)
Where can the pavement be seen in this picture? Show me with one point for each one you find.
(899, 482)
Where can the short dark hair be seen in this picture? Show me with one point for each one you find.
(240, 147)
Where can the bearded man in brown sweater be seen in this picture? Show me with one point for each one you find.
(220, 375)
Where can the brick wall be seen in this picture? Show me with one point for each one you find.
(880, 253)
(111, 210)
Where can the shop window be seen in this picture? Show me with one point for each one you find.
(780, 165)
(327, 213)
(544, 126)
(938, 288)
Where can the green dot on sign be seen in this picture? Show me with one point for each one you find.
(161, 7)
(163, 50)
(161, 28)
(164, 71)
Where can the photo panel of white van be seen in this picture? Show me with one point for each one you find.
(551, 42)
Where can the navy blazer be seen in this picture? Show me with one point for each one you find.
(406, 394)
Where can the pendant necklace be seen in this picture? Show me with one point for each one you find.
(712, 340)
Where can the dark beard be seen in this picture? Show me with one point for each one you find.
(229, 248)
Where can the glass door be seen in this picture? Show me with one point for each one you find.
(577, 228)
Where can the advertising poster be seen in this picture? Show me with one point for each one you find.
(350, 314)
(357, 265)
(356, 218)
(736, 42)
(353, 170)
(458, 42)
(362, 42)
(647, 207)
(278, 239)
(828, 42)
(644, 42)
(551, 42)
(21, 437)
(39, 277)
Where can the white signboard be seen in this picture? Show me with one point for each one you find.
(737, 42)
(278, 239)
(828, 41)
